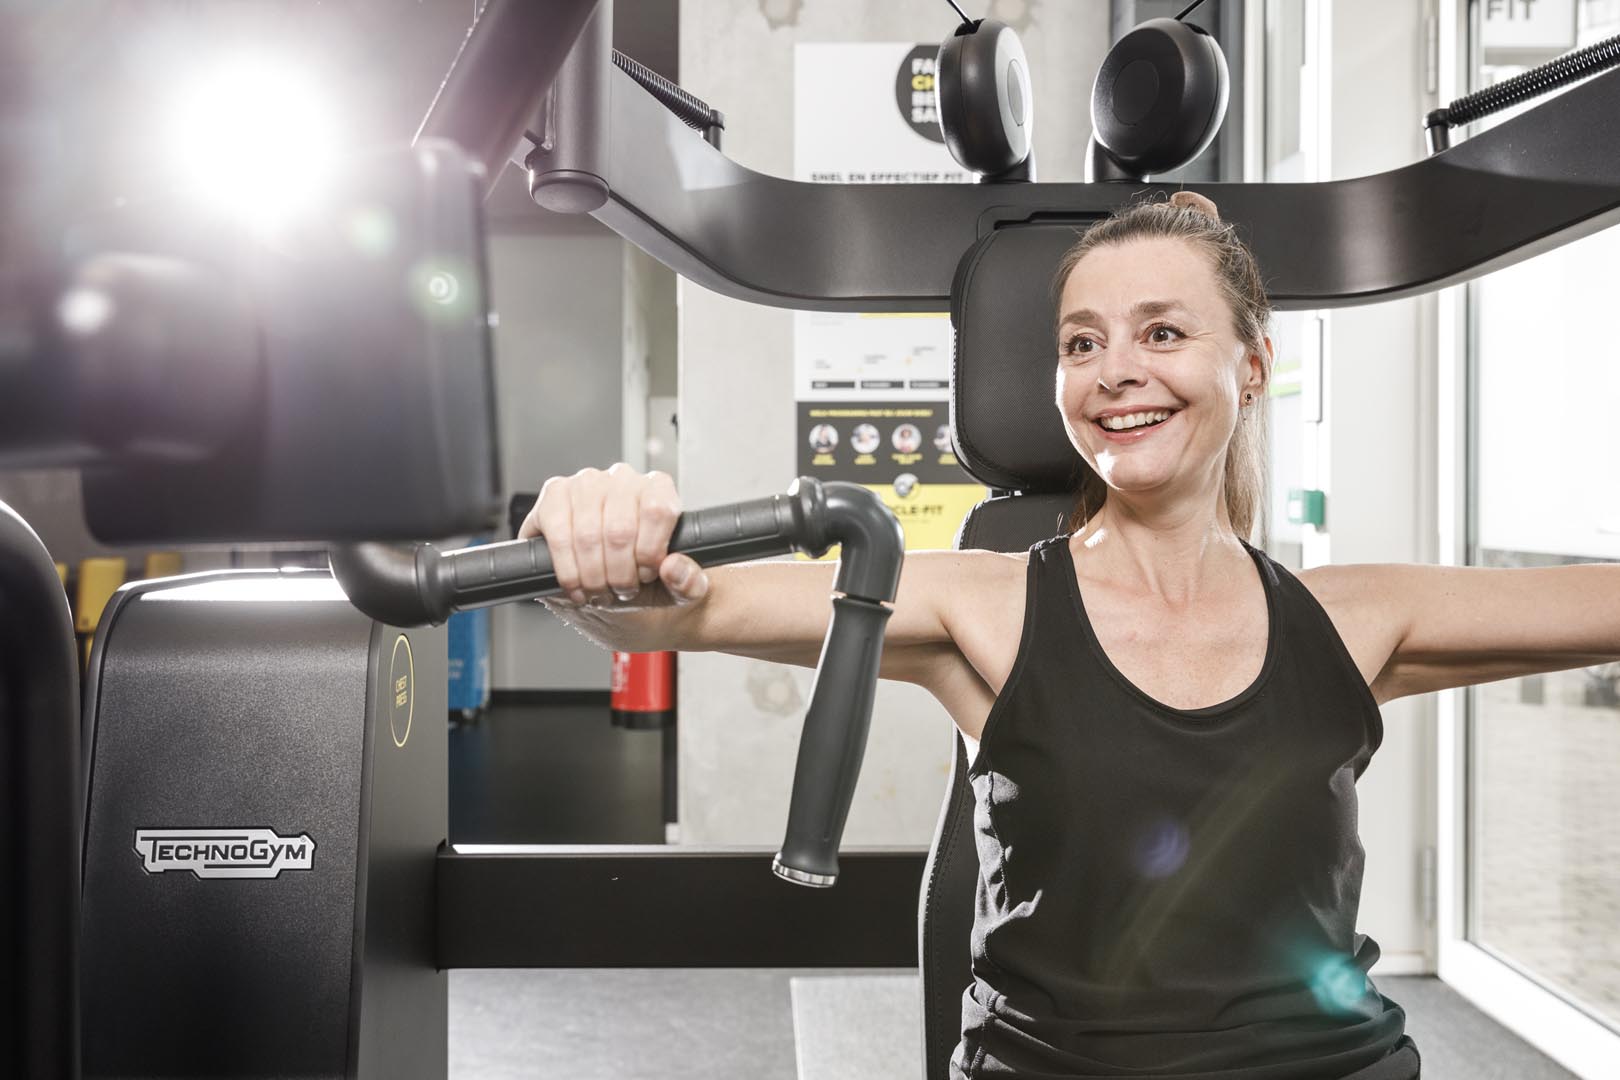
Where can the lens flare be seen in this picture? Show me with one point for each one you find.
(373, 232)
(443, 290)
(252, 138)
(1338, 985)
(1162, 848)
(84, 311)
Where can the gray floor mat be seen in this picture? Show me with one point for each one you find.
(813, 1024)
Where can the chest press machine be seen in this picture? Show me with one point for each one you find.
(265, 889)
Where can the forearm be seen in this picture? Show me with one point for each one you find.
(651, 629)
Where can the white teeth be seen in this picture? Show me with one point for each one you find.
(1130, 420)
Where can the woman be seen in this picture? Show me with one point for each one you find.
(1165, 725)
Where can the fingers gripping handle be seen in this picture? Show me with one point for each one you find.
(404, 588)
(479, 576)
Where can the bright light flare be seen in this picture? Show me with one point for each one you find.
(266, 588)
(84, 311)
(254, 139)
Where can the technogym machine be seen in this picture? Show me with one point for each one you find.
(266, 805)
(329, 404)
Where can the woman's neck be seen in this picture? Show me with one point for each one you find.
(1175, 551)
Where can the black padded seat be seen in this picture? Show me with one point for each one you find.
(1009, 436)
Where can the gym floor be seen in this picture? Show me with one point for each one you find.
(561, 773)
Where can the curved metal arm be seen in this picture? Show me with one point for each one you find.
(506, 64)
(1526, 185)
(424, 585)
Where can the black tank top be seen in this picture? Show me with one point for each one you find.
(1173, 892)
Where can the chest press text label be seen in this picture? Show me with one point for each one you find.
(223, 853)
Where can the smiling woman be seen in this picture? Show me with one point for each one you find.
(1184, 230)
(1165, 780)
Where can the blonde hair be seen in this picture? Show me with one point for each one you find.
(1191, 217)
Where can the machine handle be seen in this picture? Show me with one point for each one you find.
(410, 588)
(489, 574)
(833, 742)
(424, 586)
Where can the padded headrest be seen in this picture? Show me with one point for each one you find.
(1003, 417)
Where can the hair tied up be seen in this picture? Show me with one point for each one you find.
(1191, 200)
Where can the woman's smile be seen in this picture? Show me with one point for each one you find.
(1124, 426)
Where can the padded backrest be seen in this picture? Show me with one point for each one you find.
(1007, 429)
(945, 919)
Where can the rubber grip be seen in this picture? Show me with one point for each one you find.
(738, 531)
(480, 576)
(833, 742)
(492, 573)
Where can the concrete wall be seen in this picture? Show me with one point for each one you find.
(586, 333)
(740, 718)
(1376, 447)
(560, 378)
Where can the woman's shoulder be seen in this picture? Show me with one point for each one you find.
(973, 560)
(1354, 585)
(980, 599)
(961, 575)
(970, 587)
(1360, 601)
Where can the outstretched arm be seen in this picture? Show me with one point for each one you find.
(1457, 626)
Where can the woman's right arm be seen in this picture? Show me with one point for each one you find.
(609, 533)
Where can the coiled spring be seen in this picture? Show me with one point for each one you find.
(1533, 83)
(690, 110)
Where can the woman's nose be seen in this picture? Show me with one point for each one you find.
(1119, 367)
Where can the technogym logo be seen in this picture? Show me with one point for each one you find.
(223, 853)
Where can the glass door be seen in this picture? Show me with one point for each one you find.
(1535, 932)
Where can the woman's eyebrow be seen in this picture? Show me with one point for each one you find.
(1142, 309)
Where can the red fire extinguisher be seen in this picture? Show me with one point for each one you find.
(643, 690)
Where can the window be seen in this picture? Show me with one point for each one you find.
(1543, 773)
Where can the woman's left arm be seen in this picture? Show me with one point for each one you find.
(1457, 626)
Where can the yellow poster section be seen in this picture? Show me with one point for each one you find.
(929, 515)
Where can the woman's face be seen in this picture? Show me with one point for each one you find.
(1150, 369)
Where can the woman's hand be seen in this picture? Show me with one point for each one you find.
(609, 538)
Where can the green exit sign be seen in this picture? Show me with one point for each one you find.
(1307, 506)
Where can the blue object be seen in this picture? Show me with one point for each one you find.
(469, 658)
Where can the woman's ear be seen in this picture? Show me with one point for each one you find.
(1259, 373)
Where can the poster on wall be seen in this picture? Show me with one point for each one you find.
(873, 388)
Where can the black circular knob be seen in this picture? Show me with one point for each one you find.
(986, 109)
(1160, 96)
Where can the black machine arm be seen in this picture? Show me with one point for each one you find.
(1525, 186)
(412, 588)
(1491, 201)
(501, 74)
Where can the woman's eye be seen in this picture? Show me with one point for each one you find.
(1079, 345)
(1164, 334)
